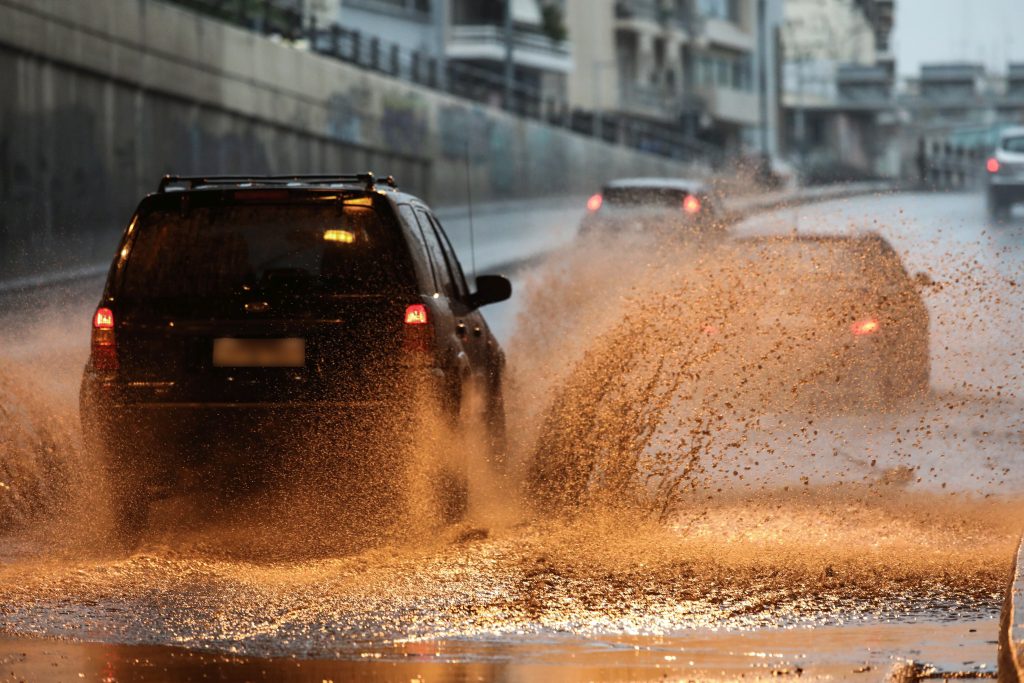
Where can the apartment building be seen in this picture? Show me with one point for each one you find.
(468, 40)
(688, 67)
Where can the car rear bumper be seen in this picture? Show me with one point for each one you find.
(118, 414)
(1007, 189)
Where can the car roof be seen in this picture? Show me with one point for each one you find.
(783, 225)
(365, 183)
(1013, 132)
(864, 239)
(682, 184)
(859, 238)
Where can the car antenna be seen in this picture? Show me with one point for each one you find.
(469, 200)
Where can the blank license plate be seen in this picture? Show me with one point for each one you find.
(259, 353)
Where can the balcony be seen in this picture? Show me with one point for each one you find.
(487, 43)
(649, 15)
(721, 33)
(656, 102)
(739, 107)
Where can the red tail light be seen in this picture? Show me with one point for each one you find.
(416, 314)
(594, 203)
(691, 205)
(992, 165)
(866, 326)
(419, 333)
(104, 346)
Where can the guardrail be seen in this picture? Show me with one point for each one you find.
(1011, 624)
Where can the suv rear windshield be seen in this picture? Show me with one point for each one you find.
(1014, 144)
(211, 251)
(654, 197)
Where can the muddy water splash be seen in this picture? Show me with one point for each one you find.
(50, 489)
(752, 521)
(843, 500)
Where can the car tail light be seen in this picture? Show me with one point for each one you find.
(594, 203)
(416, 314)
(104, 346)
(865, 327)
(992, 165)
(691, 204)
(419, 332)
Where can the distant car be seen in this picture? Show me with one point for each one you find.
(666, 205)
(308, 298)
(1006, 173)
(839, 312)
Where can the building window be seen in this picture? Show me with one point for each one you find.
(717, 9)
(724, 71)
(395, 6)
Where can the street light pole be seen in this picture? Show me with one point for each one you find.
(762, 76)
(598, 67)
(510, 67)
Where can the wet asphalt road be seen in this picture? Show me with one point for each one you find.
(840, 552)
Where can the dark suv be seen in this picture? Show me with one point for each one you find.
(235, 301)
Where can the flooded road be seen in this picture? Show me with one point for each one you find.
(826, 545)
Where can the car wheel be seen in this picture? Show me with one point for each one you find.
(128, 496)
(130, 508)
(496, 427)
(452, 496)
(996, 209)
(910, 381)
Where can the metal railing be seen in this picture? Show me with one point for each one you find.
(284, 18)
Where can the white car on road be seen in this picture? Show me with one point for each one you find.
(1006, 173)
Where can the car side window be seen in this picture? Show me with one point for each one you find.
(454, 266)
(441, 273)
(421, 256)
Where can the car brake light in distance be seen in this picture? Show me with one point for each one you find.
(595, 202)
(416, 314)
(691, 204)
(104, 350)
(865, 327)
(992, 165)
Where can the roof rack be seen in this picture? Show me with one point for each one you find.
(170, 182)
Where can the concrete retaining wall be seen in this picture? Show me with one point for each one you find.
(100, 98)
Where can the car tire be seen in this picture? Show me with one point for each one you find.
(996, 209)
(452, 495)
(129, 503)
(497, 433)
(126, 493)
(912, 380)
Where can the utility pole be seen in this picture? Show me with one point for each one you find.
(510, 66)
(598, 68)
(439, 15)
(762, 71)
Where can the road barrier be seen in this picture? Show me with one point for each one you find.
(1011, 624)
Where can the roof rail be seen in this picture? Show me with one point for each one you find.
(192, 182)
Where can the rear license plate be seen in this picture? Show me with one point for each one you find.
(259, 353)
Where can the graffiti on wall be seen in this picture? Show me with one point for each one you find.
(463, 128)
(403, 122)
(347, 113)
